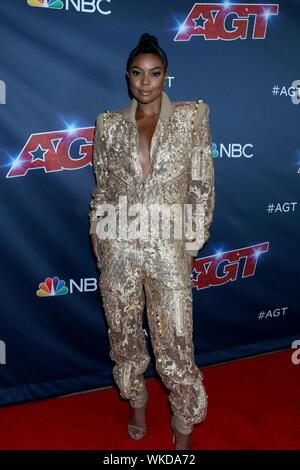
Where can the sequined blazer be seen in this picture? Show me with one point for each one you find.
(182, 168)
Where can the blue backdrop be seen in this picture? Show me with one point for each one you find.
(62, 63)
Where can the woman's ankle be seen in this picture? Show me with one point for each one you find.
(182, 434)
(139, 401)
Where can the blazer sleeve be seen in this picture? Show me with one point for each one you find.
(101, 173)
(201, 188)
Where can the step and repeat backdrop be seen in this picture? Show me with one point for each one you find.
(62, 63)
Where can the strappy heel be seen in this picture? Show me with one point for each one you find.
(138, 432)
(179, 428)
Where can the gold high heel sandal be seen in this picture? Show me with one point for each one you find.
(138, 432)
(180, 428)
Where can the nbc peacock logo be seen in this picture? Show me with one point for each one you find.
(80, 6)
(56, 4)
(52, 287)
(215, 152)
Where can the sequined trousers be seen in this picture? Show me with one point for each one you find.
(156, 272)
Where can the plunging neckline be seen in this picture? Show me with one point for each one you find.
(150, 150)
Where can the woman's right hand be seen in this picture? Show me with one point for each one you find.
(95, 247)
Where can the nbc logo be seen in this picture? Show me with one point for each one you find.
(52, 287)
(57, 4)
(232, 150)
(84, 6)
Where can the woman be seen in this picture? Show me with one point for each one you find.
(152, 154)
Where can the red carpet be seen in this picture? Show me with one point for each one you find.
(253, 404)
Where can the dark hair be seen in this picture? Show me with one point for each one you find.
(148, 44)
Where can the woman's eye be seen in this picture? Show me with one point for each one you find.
(156, 74)
(135, 73)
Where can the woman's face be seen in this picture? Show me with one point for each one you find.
(146, 77)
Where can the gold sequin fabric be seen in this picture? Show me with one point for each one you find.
(149, 270)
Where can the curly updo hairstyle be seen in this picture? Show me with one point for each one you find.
(148, 44)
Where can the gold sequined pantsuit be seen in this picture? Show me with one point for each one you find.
(149, 270)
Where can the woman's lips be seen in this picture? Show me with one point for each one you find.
(145, 93)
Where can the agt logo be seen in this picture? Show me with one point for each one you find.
(84, 6)
(53, 286)
(226, 21)
(224, 267)
(55, 151)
